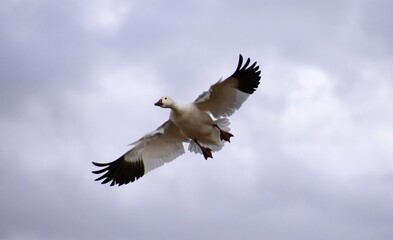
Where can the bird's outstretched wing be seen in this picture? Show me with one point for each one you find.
(151, 151)
(225, 97)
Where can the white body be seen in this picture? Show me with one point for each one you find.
(195, 124)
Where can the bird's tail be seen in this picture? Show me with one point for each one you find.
(223, 123)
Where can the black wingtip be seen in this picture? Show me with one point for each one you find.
(248, 76)
(100, 164)
(120, 171)
(240, 62)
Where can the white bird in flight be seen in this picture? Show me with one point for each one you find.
(201, 123)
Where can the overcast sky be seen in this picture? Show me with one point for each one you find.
(312, 156)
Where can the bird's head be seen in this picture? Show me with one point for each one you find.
(165, 102)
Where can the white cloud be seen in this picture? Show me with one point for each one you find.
(312, 106)
(105, 16)
(322, 131)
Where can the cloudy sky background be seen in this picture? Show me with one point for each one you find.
(312, 156)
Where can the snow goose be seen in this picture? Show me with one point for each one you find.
(201, 123)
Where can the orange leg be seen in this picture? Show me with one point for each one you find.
(224, 135)
(207, 152)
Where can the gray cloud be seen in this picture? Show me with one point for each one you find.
(311, 157)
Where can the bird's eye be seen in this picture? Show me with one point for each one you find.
(165, 98)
